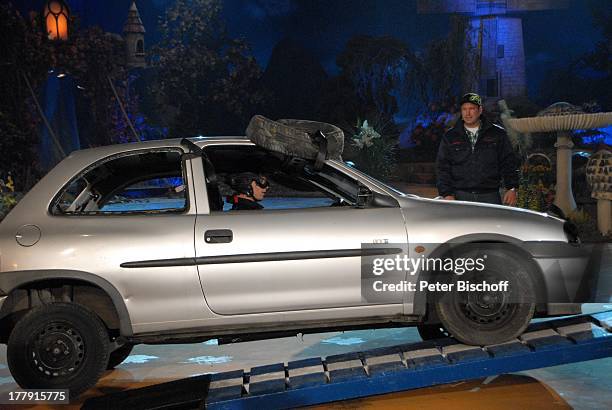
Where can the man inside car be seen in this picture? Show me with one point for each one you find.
(249, 189)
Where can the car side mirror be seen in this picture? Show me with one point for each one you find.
(364, 197)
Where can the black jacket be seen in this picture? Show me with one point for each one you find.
(461, 168)
(239, 204)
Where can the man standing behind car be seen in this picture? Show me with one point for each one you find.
(474, 157)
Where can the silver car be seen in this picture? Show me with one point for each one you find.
(134, 243)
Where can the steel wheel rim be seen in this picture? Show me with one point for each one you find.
(487, 308)
(57, 350)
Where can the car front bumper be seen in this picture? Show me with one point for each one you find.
(568, 272)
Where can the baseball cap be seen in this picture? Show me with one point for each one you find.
(471, 98)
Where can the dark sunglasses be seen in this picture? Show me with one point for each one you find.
(262, 182)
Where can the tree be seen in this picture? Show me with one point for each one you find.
(206, 82)
(90, 56)
(295, 79)
(339, 104)
(447, 67)
(589, 77)
(25, 55)
(374, 66)
(382, 77)
(94, 59)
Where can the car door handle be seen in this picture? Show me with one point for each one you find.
(218, 236)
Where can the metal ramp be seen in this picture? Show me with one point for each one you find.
(372, 372)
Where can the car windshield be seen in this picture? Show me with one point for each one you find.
(333, 180)
(352, 165)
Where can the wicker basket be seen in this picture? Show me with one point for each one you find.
(599, 174)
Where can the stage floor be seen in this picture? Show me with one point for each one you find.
(584, 385)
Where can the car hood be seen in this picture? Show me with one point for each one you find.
(443, 220)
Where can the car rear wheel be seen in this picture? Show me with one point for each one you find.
(489, 317)
(118, 356)
(58, 346)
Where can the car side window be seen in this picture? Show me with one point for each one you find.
(70, 195)
(286, 192)
(149, 182)
(289, 184)
(150, 194)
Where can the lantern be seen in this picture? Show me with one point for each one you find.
(56, 14)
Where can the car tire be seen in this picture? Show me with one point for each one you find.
(118, 356)
(295, 137)
(432, 331)
(484, 318)
(58, 346)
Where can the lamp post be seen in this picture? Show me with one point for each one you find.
(56, 26)
(56, 15)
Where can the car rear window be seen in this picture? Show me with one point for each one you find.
(142, 182)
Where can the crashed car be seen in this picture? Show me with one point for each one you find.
(134, 243)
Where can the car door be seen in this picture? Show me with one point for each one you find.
(279, 260)
(129, 219)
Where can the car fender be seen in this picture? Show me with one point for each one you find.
(420, 298)
(19, 279)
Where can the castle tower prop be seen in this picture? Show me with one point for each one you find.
(133, 32)
(497, 34)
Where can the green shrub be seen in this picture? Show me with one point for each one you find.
(8, 196)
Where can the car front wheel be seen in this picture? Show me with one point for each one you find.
(58, 346)
(489, 316)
